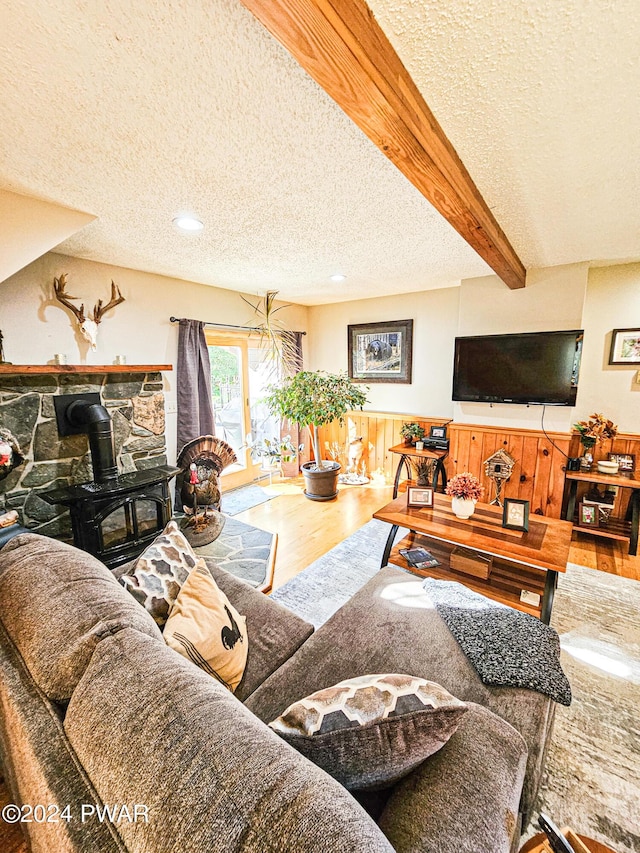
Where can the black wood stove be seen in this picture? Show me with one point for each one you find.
(116, 515)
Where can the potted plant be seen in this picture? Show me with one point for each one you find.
(594, 431)
(465, 491)
(313, 399)
(412, 432)
(274, 451)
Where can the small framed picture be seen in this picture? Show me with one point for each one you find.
(515, 514)
(588, 515)
(626, 461)
(439, 432)
(420, 496)
(625, 346)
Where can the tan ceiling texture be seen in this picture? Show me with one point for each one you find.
(138, 112)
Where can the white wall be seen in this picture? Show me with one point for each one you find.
(35, 326)
(613, 302)
(435, 320)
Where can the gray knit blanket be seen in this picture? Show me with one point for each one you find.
(506, 647)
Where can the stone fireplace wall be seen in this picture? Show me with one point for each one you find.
(135, 402)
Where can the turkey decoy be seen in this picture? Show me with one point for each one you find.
(202, 460)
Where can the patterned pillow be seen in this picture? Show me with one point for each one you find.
(206, 628)
(368, 732)
(160, 571)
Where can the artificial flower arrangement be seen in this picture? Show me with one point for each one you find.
(465, 486)
(595, 430)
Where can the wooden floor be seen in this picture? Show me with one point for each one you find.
(308, 529)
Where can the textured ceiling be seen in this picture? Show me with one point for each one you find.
(137, 112)
(540, 98)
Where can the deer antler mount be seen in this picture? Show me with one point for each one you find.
(88, 325)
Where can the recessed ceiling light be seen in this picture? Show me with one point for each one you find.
(338, 277)
(188, 223)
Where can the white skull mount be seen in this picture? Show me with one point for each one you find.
(88, 325)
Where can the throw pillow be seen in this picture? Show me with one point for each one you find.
(160, 571)
(205, 627)
(370, 731)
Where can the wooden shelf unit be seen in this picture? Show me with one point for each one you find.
(35, 369)
(619, 529)
(504, 584)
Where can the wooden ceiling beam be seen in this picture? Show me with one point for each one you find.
(340, 44)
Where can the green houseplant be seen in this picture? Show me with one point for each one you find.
(412, 432)
(274, 451)
(313, 399)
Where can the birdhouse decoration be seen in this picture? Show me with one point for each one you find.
(498, 467)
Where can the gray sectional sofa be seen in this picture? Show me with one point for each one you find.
(95, 711)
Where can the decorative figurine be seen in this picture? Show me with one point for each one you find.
(2, 361)
(88, 325)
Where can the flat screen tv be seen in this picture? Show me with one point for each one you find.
(535, 367)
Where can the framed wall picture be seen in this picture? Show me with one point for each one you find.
(625, 346)
(626, 461)
(588, 515)
(515, 514)
(381, 352)
(420, 496)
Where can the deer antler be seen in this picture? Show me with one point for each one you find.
(116, 299)
(59, 285)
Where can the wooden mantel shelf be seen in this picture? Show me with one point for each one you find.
(32, 369)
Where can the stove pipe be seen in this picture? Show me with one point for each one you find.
(94, 416)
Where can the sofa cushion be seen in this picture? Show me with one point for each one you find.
(57, 603)
(371, 731)
(205, 627)
(274, 632)
(392, 626)
(148, 727)
(160, 571)
(39, 766)
(465, 797)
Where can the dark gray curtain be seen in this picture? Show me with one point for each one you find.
(195, 406)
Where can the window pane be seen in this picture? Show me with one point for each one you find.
(228, 395)
(261, 375)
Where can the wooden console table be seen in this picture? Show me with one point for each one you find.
(521, 561)
(408, 452)
(615, 529)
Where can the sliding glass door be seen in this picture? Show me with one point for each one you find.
(240, 375)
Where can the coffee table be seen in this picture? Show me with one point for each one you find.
(526, 562)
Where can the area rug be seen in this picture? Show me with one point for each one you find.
(237, 500)
(243, 550)
(592, 776)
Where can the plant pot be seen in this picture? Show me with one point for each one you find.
(408, 441)
(462, 507)
(321, 484)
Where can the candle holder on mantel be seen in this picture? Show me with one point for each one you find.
(2, 361)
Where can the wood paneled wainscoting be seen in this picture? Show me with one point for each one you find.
(538, 476)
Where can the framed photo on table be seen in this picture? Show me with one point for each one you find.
(381, 352)
(588, 515)
(420, 496)
(625, 346)
(438, 432)
(626, 461)
(515, 514)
